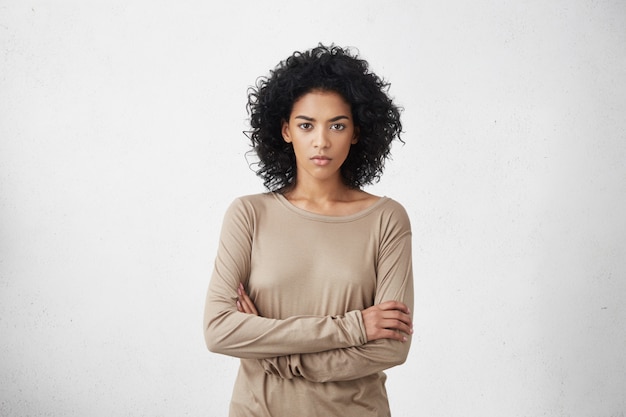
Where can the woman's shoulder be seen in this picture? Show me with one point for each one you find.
(244, 210)
(372, 199)
(253, 198)
(385, 203)
(394, 205)
(394, 213)
(252, 202)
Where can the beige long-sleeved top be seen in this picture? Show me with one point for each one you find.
(309, 276)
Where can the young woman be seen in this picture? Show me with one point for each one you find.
(312, 285)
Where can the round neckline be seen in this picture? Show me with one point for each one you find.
(325, 217)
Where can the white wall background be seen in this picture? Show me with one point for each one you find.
(121, 146)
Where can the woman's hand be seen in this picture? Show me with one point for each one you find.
(388, 320)
(244, 303)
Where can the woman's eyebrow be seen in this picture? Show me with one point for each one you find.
(311, 119)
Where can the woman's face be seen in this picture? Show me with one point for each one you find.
(321, 130)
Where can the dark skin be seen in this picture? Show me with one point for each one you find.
(387, 320)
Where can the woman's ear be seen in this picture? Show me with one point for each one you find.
(285, 132)
(355, 137)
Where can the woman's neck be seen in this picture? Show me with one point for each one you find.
(329, 199)
(320, 191)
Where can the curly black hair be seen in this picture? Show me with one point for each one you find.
(326, 68)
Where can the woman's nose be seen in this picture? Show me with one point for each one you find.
(321, 139)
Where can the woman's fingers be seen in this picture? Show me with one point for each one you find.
(401, 317)
(388, 320)
(397, 326)
(394, 305)
(391, 334)
(244, 303)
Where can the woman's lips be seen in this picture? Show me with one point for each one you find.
(320, 160)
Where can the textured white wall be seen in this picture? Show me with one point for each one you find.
(121, 146)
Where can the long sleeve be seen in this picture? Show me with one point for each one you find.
(230, 332)
(394, 282)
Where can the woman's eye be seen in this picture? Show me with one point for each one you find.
(338, 126)
(305, 126)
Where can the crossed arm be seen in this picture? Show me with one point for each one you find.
(387, 325)
(387, 320)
